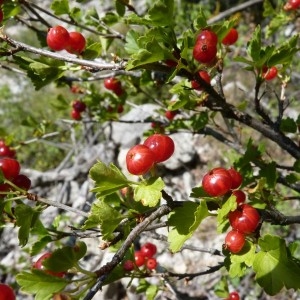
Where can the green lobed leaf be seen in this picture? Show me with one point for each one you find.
(185, 220)
(60, 7)
(132, 46)
(254, 45)
(160, 14)
(120, 8)
(65, 258)
(269, 172)
(26, 218)
(152, 52)
(222, 218)
(39, 245)
(104, 215)
(108, 179)
(92, 51)
(285, 53)
(221, 288)
(288, 125)
(40, 283)
(274, 268)
(149, 191)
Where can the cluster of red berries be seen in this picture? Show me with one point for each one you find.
(155, 149)
(78, 107)
(245, 219)
(6, 292)
(205, 48)
(39, 265)
(143, 257)
(114, 85)
(10, 168)
(205, 51)
(59, 38)
(292, 5)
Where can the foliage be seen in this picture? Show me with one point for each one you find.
(151, 53)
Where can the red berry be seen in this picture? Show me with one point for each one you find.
(234, 296)
(6, 292)
(205, 76)
(128, 265)
(10, 167)
(269, 73)
(170, 114)
(234, 241)
(75, 115)
(231, 37)
(292, 5)
(240, 196)
(204, 53)
(39, 265)
(161, 145)
(208, 36)
(22, 181)
(148, 250)
(114, 85)
(7, 151)
(205, 49)
(151, 263)
(79, 106)
(217, 182)
(236, 178)
(57, 38)
(139, 258)
(76, 43)
(244, 219)
(139, 160)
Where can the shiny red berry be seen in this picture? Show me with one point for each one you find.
(217, 182)
(234, 241)
(57, 38)
(161, 145)
(231, 37)
(6, 292)
(148, 250)
(10, 167)
(236, 178)
(139, 258)
(76, 43)
(151, 263)
(139, 159)
(269, 73)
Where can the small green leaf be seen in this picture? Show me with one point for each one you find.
(152, 52)
(274, 268)
(60, 7)
(92, 51)
(108, 179)
(223, 212)
(288, 125)
(185, 220)
(104, 215)
(285, 53)
(120, 8)
(149, 192)
(254, 45)
(132, 45)
(26, 217)
(40, 283)
(269, 172)
(65, 258)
